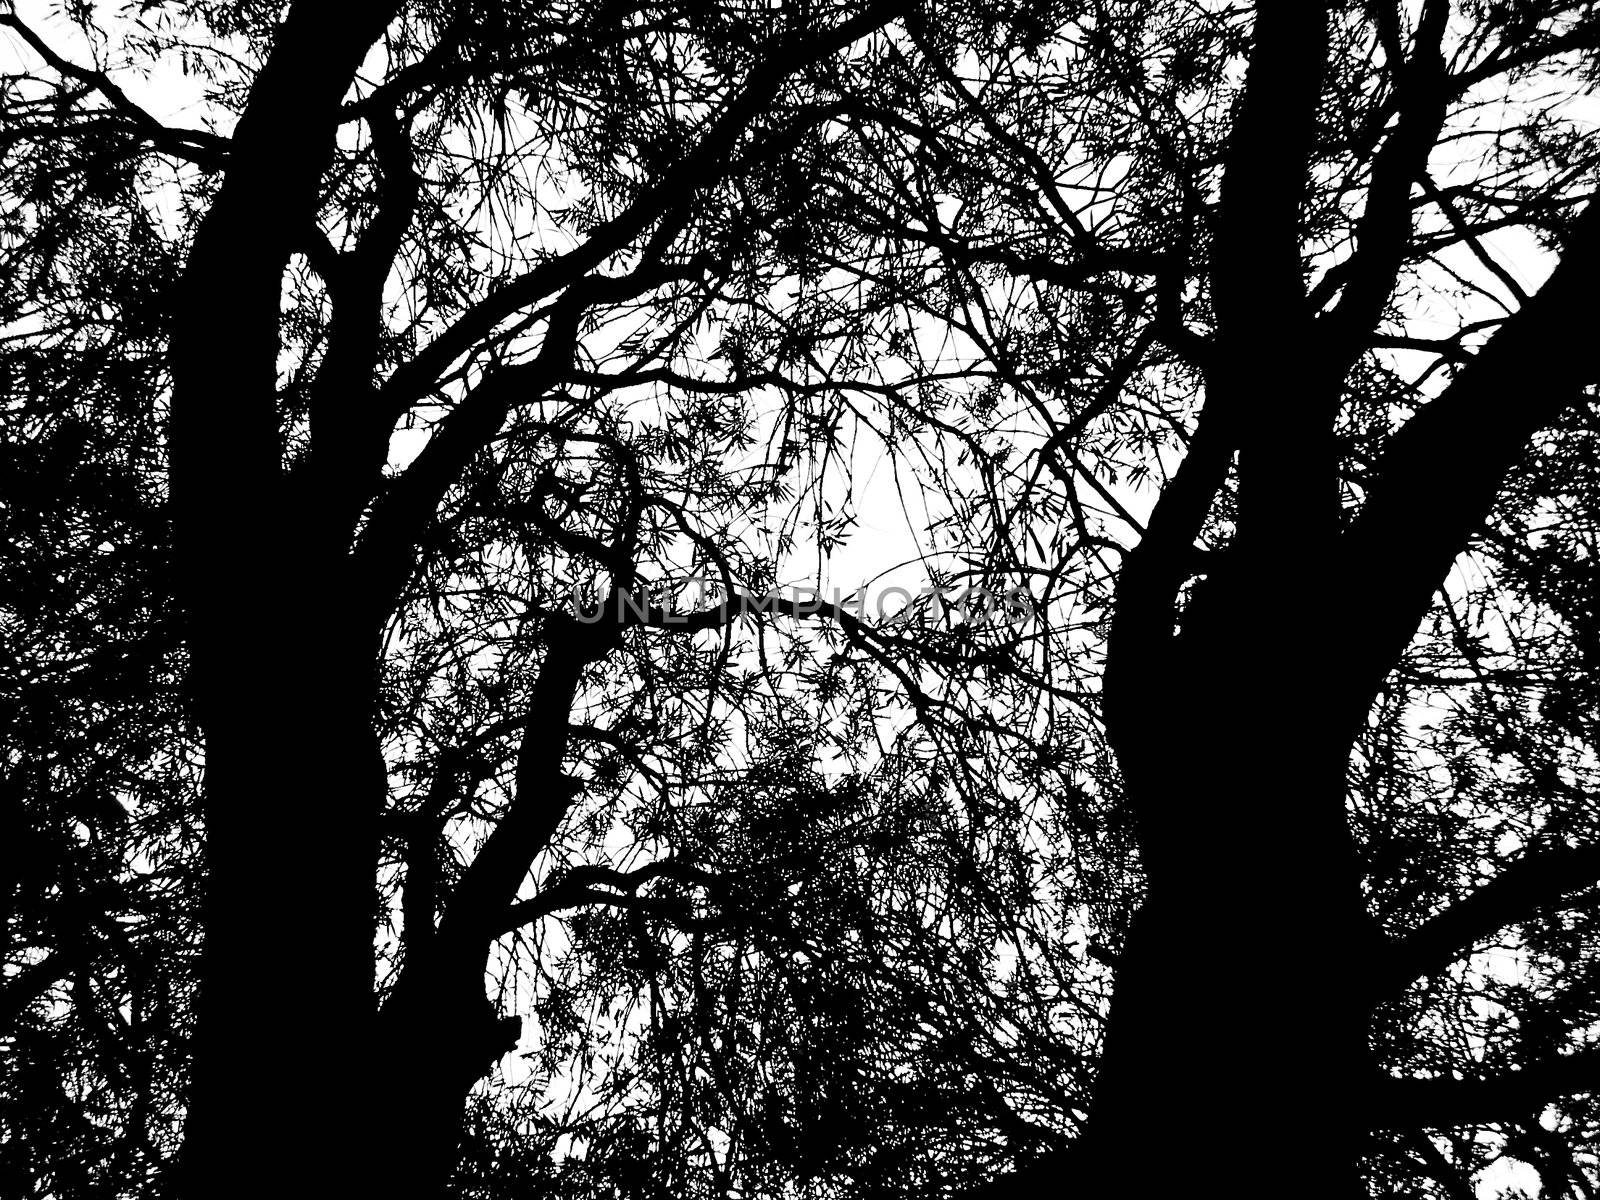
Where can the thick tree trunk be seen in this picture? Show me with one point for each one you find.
(282, 689)
(1237, 1043)
(280, 1100)
(1236, 1047)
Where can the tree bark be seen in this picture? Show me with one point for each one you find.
(1236, 1049)
(280, 1097)
(1236, 1046)
(281, 683)
(437, 1036)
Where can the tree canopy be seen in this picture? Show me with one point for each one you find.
(455, 454)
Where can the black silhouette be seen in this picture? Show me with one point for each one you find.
(405, 464)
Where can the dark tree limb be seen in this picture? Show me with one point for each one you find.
(1383, 235)
(602, 885)
(349, 435)
(1257, 277)
(199, 146)
(1533, 884)
(1437, 482)
(386, 553)
(542, 796)
(1487, 1100)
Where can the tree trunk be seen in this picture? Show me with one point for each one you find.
(1236, 1047)
(438, 1035)
(280, 1098)
(282, 687)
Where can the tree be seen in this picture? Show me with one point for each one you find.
(1283, 408)
(559, 199)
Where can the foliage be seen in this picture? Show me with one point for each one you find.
(613, 320)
